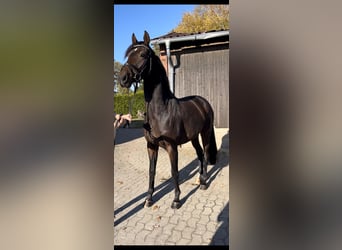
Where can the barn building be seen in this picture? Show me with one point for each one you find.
(198, 64)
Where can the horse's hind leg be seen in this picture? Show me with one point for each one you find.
(152, 150)
(173, 154)
(202, 163)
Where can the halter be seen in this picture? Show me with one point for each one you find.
(138, 72)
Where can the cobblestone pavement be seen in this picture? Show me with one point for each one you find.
(203, 217)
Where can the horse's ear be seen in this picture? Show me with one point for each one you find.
(134, 39)
(146, 38)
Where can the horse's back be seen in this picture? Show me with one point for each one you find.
(196, 104)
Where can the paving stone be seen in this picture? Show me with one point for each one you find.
(196, 239)
(192, 222)
(175, 236)
(187, 232)
(181, 225)
(199, 221)
(183, 242)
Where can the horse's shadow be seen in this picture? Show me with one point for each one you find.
(160, 191)
(185, 174)
(222, 161)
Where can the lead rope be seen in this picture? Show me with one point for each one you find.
(131, 103)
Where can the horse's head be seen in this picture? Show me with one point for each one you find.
(138, 62)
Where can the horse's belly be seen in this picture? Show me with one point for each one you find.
(178, 133)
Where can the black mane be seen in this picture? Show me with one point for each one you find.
(161, 77)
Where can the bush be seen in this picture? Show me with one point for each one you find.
(122, 103)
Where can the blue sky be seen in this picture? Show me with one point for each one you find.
(156, 19)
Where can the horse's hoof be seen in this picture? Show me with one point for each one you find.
(203, 186)
(148, 203)
(175, 205)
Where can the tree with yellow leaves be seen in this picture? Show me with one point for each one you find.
(205, 18)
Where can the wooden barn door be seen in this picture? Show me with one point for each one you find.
(206, 73)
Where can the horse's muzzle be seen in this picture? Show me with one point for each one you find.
(125, 77)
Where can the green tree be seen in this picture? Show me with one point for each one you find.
(204, 18)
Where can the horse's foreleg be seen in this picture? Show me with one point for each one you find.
(152, 150)
(173, 154)
(202, 163)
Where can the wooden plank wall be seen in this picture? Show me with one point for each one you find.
(206, 73)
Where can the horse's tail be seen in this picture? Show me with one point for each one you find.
(212, 150)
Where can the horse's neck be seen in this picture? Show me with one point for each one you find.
(157, 90)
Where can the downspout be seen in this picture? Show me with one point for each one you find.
(171, 69)
(171, 65)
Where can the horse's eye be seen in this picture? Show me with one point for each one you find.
(143, 54)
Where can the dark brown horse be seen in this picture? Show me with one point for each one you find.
(169, 121)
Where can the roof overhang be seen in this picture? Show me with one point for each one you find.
(193, 37)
